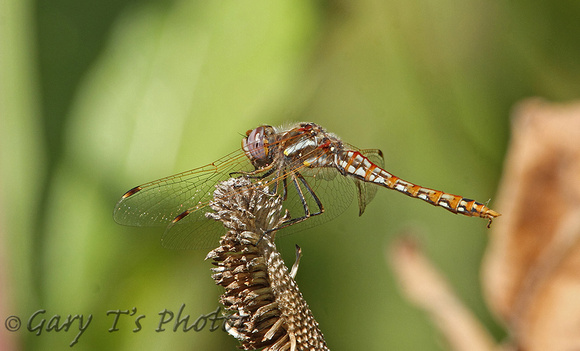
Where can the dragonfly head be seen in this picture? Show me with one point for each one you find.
(256, 143)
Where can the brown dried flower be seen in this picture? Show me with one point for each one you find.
(268, 309)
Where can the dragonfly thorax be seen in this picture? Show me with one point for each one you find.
(310, 145)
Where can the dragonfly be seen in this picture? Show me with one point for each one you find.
(314, 171)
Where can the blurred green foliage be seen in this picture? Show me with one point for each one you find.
(97, 97)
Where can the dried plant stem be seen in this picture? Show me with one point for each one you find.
(424, 285)
(268, 309)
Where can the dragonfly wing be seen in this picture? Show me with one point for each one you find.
(159, 202)
(192, 231)
(366, 191)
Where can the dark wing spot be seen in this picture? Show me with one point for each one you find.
(132, 192)
(180, 216)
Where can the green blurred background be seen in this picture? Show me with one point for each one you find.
(99, 96)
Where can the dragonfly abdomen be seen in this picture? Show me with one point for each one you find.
(355, 164)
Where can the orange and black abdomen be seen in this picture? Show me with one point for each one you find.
(355, 164)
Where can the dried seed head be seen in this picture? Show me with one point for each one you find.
(268, 309)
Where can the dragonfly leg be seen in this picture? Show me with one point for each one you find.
(307, 214)
(276, 182)
(301, 195)
(316, 199)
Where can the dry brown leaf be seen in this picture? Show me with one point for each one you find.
(531, 271)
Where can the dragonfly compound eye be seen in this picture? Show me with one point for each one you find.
(254, 144)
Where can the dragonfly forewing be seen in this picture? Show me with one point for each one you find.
(159, 202)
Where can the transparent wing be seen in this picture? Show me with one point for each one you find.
(367, 190)
(160, 201)
(180, 202)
